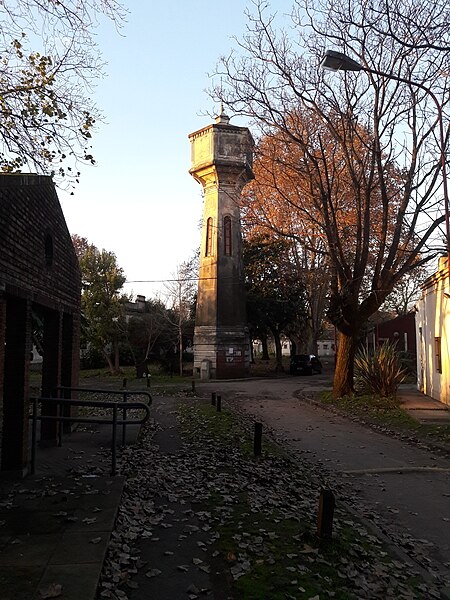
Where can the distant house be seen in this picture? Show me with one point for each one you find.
(433, 335)
(326, 344)
(136, 308)
(400, 331)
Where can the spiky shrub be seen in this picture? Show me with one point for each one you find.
(379, 372)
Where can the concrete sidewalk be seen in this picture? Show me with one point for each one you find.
(55, 526)
(421, 407)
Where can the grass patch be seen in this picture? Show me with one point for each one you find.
(158, 380)
(263, 511)
(221, 429)
(284, 558)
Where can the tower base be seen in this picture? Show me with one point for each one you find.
(226, 349)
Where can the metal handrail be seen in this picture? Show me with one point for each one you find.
(124, 393)
(60, 402)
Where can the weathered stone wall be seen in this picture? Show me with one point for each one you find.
(222, 164)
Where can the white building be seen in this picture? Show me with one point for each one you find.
(433, 335)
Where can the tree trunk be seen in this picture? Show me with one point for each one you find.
(180, 331)
(106, 354)
(343, 375)
(265, 349)
(307, 342)
(180, 350)
(293, 346)
(278, 352)
(116, 357)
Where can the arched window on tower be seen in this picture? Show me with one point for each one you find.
(209, 237)
(227, 236)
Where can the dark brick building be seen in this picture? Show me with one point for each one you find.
(401, 330)
(39, 282)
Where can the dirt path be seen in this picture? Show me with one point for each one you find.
(404, 490)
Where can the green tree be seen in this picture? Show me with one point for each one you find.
(149, 331)
(275, 294)
(102, 303)
(49, 65)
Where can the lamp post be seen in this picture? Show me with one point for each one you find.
(337, 61)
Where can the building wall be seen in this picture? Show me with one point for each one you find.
(325, 347)
(31, 220)
(433, 324)
(401, 331)
(38, 272)
(2, 359)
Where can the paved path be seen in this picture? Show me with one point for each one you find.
(55, 526)
(404, 489)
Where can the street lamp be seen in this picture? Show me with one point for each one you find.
(337, 61)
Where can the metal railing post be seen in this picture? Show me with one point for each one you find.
(60, 413)
(33, 436)
(124, 418)
(114, 440)
(60, 417)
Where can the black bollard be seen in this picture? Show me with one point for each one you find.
(124, 382)
(257, 440)
(193, 386)
(148, 380)
(219, 403)
(213, 398)
(325, 516)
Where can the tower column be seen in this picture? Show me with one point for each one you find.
(222, 163)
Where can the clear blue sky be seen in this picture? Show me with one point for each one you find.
(140, 201)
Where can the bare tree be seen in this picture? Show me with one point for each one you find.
(181, 293)
(366, 145)
(49, 64)
(406, 293)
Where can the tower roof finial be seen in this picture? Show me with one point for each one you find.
(222, 117)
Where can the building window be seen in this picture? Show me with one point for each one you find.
(438, 355)
(209, 236)
(227, 235)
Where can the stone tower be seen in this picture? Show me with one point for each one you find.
(221, 158)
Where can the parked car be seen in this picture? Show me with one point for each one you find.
(306, 364)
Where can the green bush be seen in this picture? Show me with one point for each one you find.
(380, 372)
(91, 358)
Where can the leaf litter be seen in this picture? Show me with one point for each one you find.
(277, 490)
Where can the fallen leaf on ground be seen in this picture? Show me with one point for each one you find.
(54, 590)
